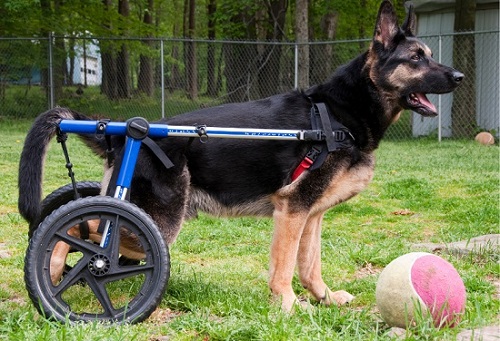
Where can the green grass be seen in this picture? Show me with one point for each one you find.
(447, 191)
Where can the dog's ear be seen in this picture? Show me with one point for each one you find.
(410, 25)
(386, 28)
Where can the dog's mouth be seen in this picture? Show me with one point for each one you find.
(418, 102)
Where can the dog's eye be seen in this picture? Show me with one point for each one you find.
(415, 57)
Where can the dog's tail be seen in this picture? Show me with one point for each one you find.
(33, 157)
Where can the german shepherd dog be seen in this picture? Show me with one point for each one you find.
(234, 177)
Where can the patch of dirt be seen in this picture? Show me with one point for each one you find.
(4, 252)
(367, 270)
(403, 212)
(161, 316)
(477, 244)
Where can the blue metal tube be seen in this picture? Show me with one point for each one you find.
(130, 155)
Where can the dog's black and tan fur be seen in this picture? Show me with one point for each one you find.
(230, 177)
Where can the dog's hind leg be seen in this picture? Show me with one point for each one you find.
(309, 264)
(288, 228)
(164, 196)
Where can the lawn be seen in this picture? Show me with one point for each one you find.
(423, 191)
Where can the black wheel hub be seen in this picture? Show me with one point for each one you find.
(99, 265)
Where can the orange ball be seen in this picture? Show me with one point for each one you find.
(485, 138)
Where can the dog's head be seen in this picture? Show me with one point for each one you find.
(402, 68)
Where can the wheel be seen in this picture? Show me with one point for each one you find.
(62, 196)
(97, 287)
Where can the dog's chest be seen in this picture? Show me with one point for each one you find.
(346, 183)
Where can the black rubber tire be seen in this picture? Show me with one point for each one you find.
(149, 278)
(62, 196)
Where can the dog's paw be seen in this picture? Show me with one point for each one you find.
(339, 297)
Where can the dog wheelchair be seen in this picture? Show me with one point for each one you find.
(93, 280)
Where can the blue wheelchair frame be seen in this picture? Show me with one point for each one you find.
(136, 129)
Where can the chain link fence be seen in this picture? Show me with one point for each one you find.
(154, 78)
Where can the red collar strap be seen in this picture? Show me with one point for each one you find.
(307, 161)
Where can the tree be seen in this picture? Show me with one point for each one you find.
(463, 112)
(123, 58)
(49, 11)
(108, 60)
(270, 58)
(321, 55)
(211, 61)
(191, 66)
(302, 38)
(237, 20)
(145, 80)
(175, 80)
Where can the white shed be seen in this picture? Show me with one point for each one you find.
(435, 20)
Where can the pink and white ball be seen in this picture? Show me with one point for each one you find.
(420, 283)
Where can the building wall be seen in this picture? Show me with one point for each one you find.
(88, 63)
(434, 28)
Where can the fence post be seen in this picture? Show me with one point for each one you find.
(51, 75)
(162, 67)
(440, 132)
(296, 66)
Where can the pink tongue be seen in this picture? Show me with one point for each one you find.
(423, 100)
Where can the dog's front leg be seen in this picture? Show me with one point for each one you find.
(288, 228)
(309, 264)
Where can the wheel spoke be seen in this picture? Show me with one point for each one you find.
(113, 248)
(129, 271)
(77, 243)
(73, 276)
(99, 289)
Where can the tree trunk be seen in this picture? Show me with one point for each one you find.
(302, 38)
(72, 56)
(44, 33)
(108, 61)
(59, 63)
(145, 81)
(60, 69)
(123, 59)
(322, 55)
(191, 66)
(175, 81)
(211, 62)
(463, 112)
(270, 59)
(240, 60)
(109, 70)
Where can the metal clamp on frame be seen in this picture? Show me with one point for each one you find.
(100, 130)
(201, 130)
(137, 128)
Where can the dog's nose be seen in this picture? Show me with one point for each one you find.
(458, 76)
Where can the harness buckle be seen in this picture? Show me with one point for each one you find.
(339, 135)
(313, 153)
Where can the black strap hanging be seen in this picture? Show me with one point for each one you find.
(61, 138)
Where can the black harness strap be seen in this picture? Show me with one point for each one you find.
(334, 135)
(158, 152)
(325, 125)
